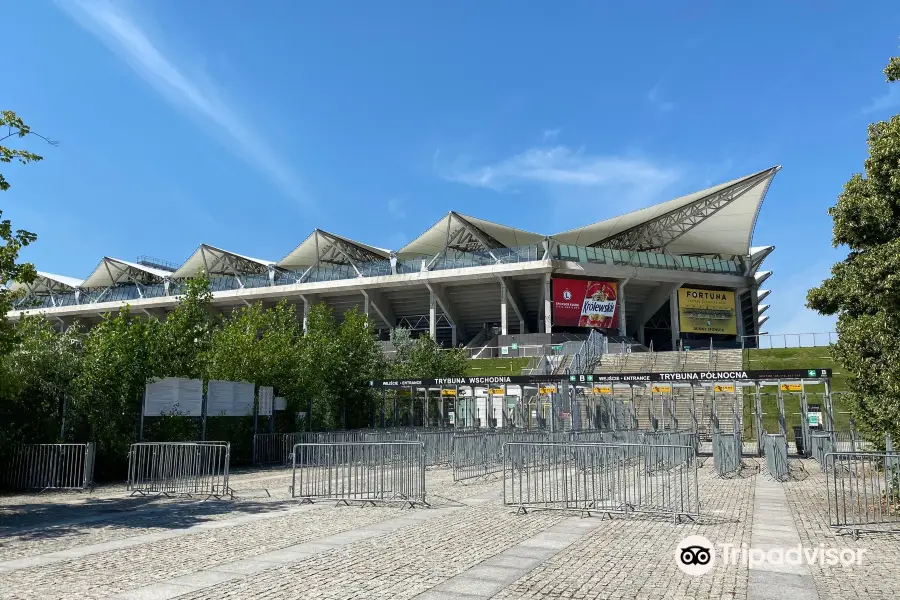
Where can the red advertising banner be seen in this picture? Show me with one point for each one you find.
(585, 303)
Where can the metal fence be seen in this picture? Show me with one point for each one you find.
(726, 451)
(775, 450)
(275, 448)
(49, 467)
(821, 443)
(863, 492)
(179, 468)
(602, 478)
(438, 447)
(766, 341)
(368, 472)
(481, 454)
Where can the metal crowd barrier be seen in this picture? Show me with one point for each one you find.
(369, 472)
(863, 491)
(50, 467)
(276, 448)
(438, 447)
(602, 478)
(821, 443)
(726, 450)
(775, 450)
(179, 468)
(481, 454)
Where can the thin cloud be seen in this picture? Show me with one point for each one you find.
(561, 166)
(125, 37)
(889, 101)
(395, 208)
(551, 134)
(656, 99)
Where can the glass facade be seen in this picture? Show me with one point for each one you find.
(452, 259)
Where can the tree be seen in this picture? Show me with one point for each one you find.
(260, 346)
(13, 242)
(35, 378)
(864, 288)
(119, 358)
(424, 358)
(185, 337)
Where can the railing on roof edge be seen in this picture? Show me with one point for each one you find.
(454, 260)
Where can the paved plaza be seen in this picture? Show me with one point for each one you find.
(467, 546)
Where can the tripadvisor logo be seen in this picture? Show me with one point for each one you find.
(695, 555)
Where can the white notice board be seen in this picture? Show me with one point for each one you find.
(280, 403)
(243, 398)
(219, 398)
(266, 398)
(164, 396)
(229, 398)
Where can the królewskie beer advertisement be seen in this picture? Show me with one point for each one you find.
(585, 303)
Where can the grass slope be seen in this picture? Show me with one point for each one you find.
(481, 367)
(794, 358)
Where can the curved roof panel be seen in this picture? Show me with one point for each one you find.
(322, 246)
(216, 261)
(48, 282)
(111, 271)
(717, 220)
(479, 232)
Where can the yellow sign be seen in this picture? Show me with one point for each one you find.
(725, 388)
(548, 390)
(706, 311)
(791, 387)
(603, 389)
(495, 391)
(658, 388)
(448, 392)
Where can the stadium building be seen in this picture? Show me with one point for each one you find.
(678, 274)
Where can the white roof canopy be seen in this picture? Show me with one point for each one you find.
(216, 261)
(757, 255)
(48, 283)
(717, 220)
(112, 271)
(761, 276)
(324, 247)
(467, 234)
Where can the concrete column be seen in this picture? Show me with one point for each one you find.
(432, 316)
(673, 317)
(622, 285)
(504, 321)
(548, 305)
(366, 306)
(305, 314)
(739, 314)
(453, 337)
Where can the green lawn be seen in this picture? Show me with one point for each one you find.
(796, 358)
(496, 366)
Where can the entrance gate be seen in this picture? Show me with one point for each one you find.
(745, 405)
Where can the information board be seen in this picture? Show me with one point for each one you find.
(173, 395)
(280, 403)
(229, 398)
(266, 398)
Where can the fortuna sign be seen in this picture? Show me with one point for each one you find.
(536, 380)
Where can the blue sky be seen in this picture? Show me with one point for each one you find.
(205, 121)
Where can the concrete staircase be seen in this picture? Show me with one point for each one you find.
(689, 360)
